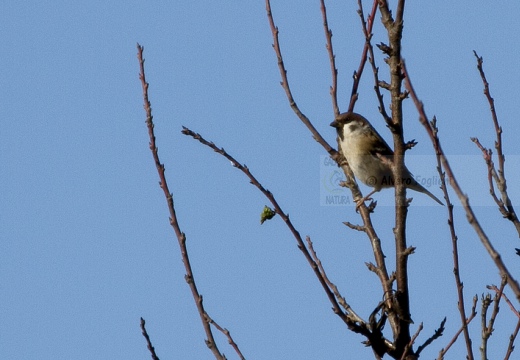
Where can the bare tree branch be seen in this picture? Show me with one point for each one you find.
(510, 345)
(454, 244)
(501, 292)
(486, 302)
(148, 341)
(472, 219)
(412, 341)
(354, 227)
(437, 334)
(394, 30)
(504, 205)
(492, 176)
(285, 84)
(487, 328)
(227, 334)
(367, 31)
(464, 326)
(332, 59)
(367, 27)
(342, 301)
(181, 237)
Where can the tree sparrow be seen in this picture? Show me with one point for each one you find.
(369, 156)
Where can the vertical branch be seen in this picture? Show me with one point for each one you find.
(505, 206)
(367, 31)
(500, 293)
(357, 74)
(332, 59)
(486, 302)
(399, 13)
(408, 346)
(510, 345)
(454, 237)
(394, 30)
(393, 314)
(487, 328)
(181, 237)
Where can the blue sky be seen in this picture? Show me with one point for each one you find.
(86, 248)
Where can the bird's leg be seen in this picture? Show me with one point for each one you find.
(365, 198)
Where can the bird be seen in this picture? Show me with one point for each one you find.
(369, 156)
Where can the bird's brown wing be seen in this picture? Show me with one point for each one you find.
(379, 147)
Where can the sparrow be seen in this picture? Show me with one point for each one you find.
(369, 156)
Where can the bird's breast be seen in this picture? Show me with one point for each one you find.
(367, 167)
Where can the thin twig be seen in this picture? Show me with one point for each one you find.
(512, 337)
(472, 219)
(465, 325)
(437, 334)
(227, 334)
(354, 227)
(285, 84)
(350, 312)
(367, 31)
(368, 25)
(506, 299)
(505, 206)
(486, 303)
(511, 344)
(332, 59)
(412, 341)
(492, 177)
(148, 341)
(488, 328)
(454, 245)
(181, 237)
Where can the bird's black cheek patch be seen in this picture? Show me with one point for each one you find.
(341, 135)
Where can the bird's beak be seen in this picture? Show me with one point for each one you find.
(334, 124)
